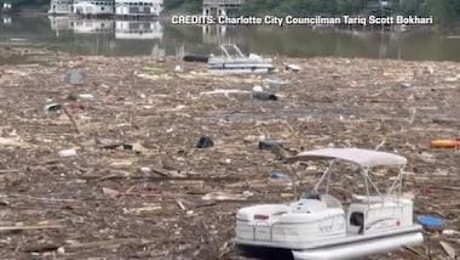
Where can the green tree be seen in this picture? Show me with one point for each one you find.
(443, 11)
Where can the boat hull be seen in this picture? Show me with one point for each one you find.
(348, 247)
(362, 248)
(350, 251)
(241, 71)
(226, 68)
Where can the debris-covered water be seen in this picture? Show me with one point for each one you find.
(114, 171)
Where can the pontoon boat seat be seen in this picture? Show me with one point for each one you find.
(372, 199)
(307, 206)
(331, 201)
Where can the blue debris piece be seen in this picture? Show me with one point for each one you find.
(431, 222)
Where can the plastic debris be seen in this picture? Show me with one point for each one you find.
(86, 96)
(268, 144)
(278, 175)
(431, 222)
(205, 142)
(146, 170)
(451, 79)
(406, 85)
(293, 67)
(222, 196)
(450, 232)
(135, 147)
(225, 92)
(68, 153)
(53, 108)
(247, 193)
(259, 94)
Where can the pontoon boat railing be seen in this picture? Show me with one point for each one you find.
(227, 53)
(367, 182)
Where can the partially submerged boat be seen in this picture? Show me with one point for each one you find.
(238, 62)
(317, 226)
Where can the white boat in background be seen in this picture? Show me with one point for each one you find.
(238, 62)
(319, 227)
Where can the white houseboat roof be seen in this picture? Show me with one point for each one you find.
(100, 1)
(139, 1)
(138, 36)
(363, 157)
(84, 4)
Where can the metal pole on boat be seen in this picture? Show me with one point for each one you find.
(375, 187)
(225, 50)
(401, 172)
(398, 182)
(328, 176)
(366, 185)
(294, 179)
(323, 176)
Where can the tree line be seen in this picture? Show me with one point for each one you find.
(447, 10)
(440, 9)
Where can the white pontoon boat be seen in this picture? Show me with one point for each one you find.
(238, 62)
(318, 227)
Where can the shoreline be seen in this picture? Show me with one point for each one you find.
(27, 52)
(168, 17)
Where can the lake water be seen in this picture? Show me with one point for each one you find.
(115, 38)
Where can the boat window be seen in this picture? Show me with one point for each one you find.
(357, 219)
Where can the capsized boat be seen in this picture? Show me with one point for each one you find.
(317, 226)
(238, 62)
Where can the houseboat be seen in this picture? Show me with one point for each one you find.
(93, 8)
(60, 7)
(138, 30)
(138, 8)
(93, 26)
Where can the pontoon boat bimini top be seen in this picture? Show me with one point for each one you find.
(320, 227)
(364, 158)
